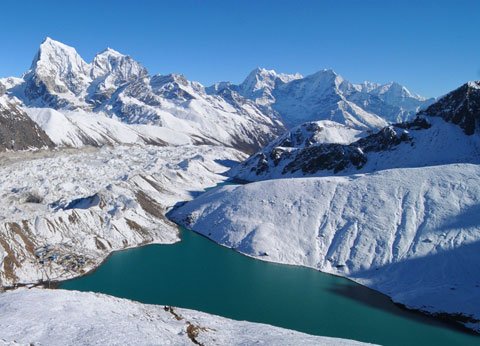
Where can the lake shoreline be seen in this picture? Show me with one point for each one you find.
(452, 320)
(417, 315)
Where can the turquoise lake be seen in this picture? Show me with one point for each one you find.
(199, 274)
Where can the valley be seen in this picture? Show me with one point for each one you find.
(101, 162)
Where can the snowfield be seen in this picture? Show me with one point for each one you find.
(64, 211)
(58, 317)
(411, 233)
(79, 128)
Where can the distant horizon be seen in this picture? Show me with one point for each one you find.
(429, 47)
(207, 85)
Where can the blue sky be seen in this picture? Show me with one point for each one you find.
(430, 46)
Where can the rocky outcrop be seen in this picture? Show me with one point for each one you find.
(18, 131)
(301, 151)
(460, 107)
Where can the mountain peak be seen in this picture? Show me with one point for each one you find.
(60, 70)
(474, 84)
(50, 45)
(110, 52)
(325, 78)
(325, 73)
(260, 82)
(262, 74)
(55, 54)
(111, 61)
(49, 40)
(460, 107)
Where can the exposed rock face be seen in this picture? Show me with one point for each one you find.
(18, 131)
(461, 107)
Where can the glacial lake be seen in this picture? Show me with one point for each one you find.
(199, 274)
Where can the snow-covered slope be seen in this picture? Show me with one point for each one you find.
(57, 317)
(272, 159)
(422, 142)
(64, 211)
(173, 102)
(443, 133)
(411, 233)
(327, 96)
(79, 128)
(17, 130)
(395, 210)
(116, 85)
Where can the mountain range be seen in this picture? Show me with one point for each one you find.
(441, 133)
(244, 116)
(367, 181)
(325, 95)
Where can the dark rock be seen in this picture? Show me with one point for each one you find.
(303, 154)
(460, 107)
(19, 132)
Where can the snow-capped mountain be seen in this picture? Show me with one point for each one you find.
(437, 136)
(325, 95)
(116, 85)
(58, 78)
(17, 130)
(395, 210)
(174, 102)
(109, 70)
(261, 83)
(392, 101)
(320, 97)
(246, 116)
